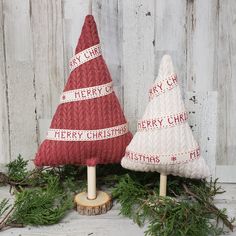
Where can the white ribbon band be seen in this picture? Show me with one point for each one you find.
(163, 86)
(87, 135)
(84, 56)
(86, 93)
(178, 158)
(162, 122)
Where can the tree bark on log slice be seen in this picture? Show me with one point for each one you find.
(100, 205)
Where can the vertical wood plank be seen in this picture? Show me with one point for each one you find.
(202, 33)
(108, 17)
(170, 35)
(48, 58)
(226, 142)
(20, 78)
(138, 56)
(4, 128)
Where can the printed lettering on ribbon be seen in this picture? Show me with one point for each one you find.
(162, 122)
(87, 135)
(178, 158)
(163, 86)
(86, 93)
(84, 56)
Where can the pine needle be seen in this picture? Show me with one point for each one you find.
(189, 209)
(44, 196)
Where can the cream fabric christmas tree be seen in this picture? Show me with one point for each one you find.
(164, 141)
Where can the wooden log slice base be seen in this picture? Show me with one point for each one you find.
(100, 205)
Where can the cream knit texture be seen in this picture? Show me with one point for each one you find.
(167, 141)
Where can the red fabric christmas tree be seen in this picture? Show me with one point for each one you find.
(89, 126)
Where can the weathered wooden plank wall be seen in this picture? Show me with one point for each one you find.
(48, 58)
(37, 39)
(19, 77)
(4, 119)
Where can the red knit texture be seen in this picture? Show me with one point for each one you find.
(98, 113)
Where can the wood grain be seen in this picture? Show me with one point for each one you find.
(100, 205)
(4, 109)
(202, 108)
(170, 36)
(20, 78)
(138, 57)
(47, 39)
(226, 82)
(202, 32)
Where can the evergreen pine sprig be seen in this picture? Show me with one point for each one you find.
(189, 209)
(17, 169)
(36, 206)
(44, 196)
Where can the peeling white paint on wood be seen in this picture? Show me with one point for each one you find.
(202, 108)
(202, 31)
(37, 39)
(170, 35)
(4, 126)
(20, 78)
(226, 83)
(138, 57)
(48, 64)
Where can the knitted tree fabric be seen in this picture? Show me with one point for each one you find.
(89, 126)
(164, 141)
